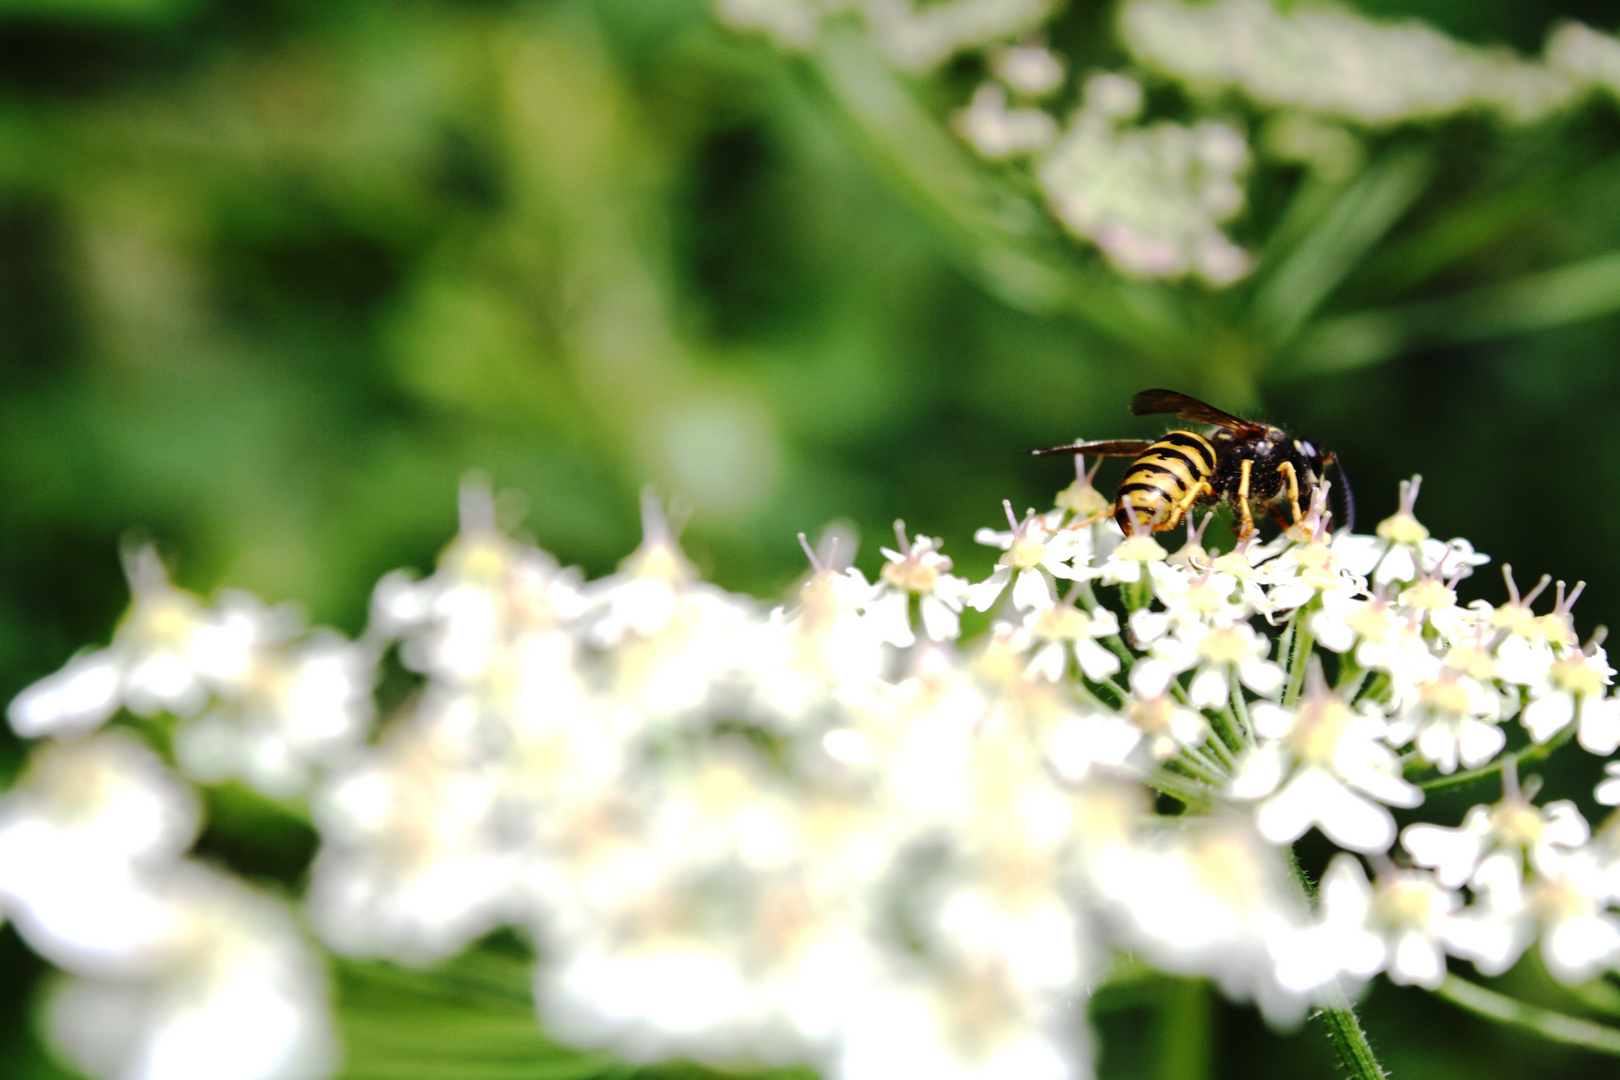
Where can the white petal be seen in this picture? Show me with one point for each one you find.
(1387, 788)
(1575, 949)
(1033, 589)
(1332, 632)
(1272, 721)
(1565, 825)
(1048, 662)
(1208, 689)
(940, 622)
(1261, 676)
(1285, 816)
(1546, 716)
(1150, 678)
(1354, 822)
(982, 595)
(1479, 742)
(1097, 662)
(1346, 893)
(1259, 772)
(77, 699)
(1148, 626)
(1451, 853)
(1600, 725)
(891, 617)
(1416, 960)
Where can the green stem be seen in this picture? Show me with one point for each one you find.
(1337, 1014)
(1139, 593)
(1219, 750)
(1344, 1031)
(1186, 1031)
(1285, 643)
(1528, 756)
(1544, 1022)
(1184, 788)
(1240, 708)
(1228, 732)
(1199, 769)
(1303, 641)
(1351, 677)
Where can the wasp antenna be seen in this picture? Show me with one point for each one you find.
(1344, 493)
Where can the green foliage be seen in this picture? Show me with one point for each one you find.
(274, 275)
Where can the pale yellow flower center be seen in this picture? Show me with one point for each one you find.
(1403, 528)
(1081, 499)
(1517, 619)
(1472, 661)
(1063, 624)
(1432, 595)
(1407, 904)
(1555, 628)
(1226, 645)
(1518, 824)
(1140, 548)
(1577, 676)
(1445, 695)
(1025, 554)
(1319, 729)
(912, 575)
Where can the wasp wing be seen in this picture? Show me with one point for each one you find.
(1188, 408)
(1114, 448)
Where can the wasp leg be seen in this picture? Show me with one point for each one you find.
(1244, 512)
(1181, 508)
(1287, 467)
(1107, 511)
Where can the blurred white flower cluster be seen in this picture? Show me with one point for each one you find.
(1155, 198)
(178, 971)
(1332, 60)
(832, 832)
(915, 35)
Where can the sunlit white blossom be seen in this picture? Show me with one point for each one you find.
(1404, 925)
(1323, 763)
(1513, 831)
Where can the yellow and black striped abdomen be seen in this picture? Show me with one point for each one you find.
(1163, 480)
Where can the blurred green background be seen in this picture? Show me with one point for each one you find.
(275, 275)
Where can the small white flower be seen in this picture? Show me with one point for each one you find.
(1608, 789)
(1452, 719)
(1323, 764)
(1574, 690)
(1208, 896)
(1213, 653)
(1065, 627)
(917, 568)
(168, 654)
(1404, 926)
(1124, 564)
(1167, 725)
(1513, 830)
(1035, 550)
(1565, 902)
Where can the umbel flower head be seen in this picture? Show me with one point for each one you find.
(833, 833)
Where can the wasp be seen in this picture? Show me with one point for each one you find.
(1256, 467)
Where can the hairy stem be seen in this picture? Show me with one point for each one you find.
(1337, 1014)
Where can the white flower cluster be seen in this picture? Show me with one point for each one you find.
(1154, 199)
(180, 971)
(1334, 61)
(915, 35)
(834, 832)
